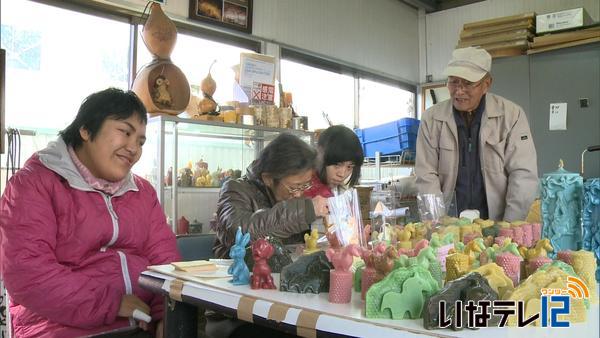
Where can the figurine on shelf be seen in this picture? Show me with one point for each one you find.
(185, 177)
(183, 226)
(340, 280)
(169, 177)
(311, 241)
(239, 269)
(262, 250)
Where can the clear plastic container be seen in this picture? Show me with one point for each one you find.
(272, 117)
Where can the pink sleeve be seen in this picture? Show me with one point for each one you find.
(161, 248)
(31, 273)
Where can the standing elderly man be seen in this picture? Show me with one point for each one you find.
(477, 144)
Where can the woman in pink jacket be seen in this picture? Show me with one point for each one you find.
(78, 228)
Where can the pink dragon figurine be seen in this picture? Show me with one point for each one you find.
(262, 250)
(340, 279)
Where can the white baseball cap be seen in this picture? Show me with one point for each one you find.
(469, 63)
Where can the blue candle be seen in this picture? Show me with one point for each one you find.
(562, 193)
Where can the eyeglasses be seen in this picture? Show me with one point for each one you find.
(299, 189)
(466, 85)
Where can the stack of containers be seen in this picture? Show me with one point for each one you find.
(392, 138)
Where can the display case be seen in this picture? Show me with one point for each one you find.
(188, 160)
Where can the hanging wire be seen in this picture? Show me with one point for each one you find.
(13, 154)
(146, 8)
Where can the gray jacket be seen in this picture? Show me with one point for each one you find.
(247, 202)
(507, 153)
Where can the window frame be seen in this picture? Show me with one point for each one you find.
(324, 63)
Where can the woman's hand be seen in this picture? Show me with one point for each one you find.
(321, 206)
(131, 302)
(159, 329)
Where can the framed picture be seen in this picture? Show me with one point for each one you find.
(233, 14)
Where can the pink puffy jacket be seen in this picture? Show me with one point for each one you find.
(69, 253)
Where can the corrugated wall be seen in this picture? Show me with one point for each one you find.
(443, 28)
(375, 34)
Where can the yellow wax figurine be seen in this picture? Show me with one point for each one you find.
(529, 292)
(504, 224)
(484, 223)
(541, 249)
(404, 239)
(584, 264)
(457, 264)
(496, 277)
(517, 223)
(311, 241)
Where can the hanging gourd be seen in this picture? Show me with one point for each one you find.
(161, 85)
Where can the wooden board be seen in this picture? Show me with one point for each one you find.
(520, 44)
(482, 31)
(563, 45)
(522, 34)
(505, 52)
(553, 39)
(501, 20)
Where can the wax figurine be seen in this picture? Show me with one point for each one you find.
(311, 241)
(340, 287)
(368, 274)
(239, 269)
(262, 250)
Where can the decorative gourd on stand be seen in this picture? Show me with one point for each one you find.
(162, 86)
(208, 86)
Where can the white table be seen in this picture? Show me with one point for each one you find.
(295, 311)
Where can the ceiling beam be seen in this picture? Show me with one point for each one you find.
(427, 5)
(447, 4)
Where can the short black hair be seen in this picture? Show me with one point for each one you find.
(286, 155)
(339, 144)
(110, 103)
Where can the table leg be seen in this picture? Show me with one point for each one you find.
(181, 319)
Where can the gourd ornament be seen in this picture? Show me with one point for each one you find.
(208, 86)
(161, 85)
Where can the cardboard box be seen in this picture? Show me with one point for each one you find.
(571, 18)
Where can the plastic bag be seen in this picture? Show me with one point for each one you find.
(432, 207)
(344, 213)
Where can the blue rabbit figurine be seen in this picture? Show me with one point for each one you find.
(239, 269)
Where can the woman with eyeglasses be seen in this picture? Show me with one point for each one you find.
(339, 160)
(269, 200)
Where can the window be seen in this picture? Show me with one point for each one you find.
(380, 103)
(315, 91)
(54, 59)
(194, 55)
